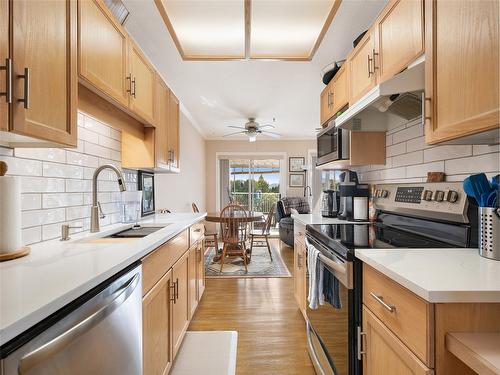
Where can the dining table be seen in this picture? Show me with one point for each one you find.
(250, 217)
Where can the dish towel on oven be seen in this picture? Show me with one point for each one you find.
(313, 265)
(330, 289)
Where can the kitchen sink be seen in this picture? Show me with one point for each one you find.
(135, 232)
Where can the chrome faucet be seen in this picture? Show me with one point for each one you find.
(94, 210)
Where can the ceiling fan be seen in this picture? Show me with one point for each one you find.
(252, 129)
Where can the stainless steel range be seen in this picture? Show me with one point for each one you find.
(422, 215)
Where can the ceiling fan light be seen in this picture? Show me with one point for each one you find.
(252, 138)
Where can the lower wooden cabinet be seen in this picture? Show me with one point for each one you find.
(193, 282)
(384, 353)
(200, 270)
(156, 326)
(180, 309)
(299, 277)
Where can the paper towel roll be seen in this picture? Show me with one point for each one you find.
(10, 214)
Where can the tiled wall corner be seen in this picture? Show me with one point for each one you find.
(409, 158)
(56, 184)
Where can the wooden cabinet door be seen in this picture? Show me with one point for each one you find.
(340, 89)
(461, 68)
(143, 84)
(4, 54)
(399, 36)
(325, 104)
(193, 297)
(384, 353)
(103, 51)
(300, 275)
(360, 64)
(161, 122)
(157, 327)
(200, 274)
(173, 131)
(180, 320)
(44, 44)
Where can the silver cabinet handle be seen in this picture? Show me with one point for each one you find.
(26, 77)
(299, 260)
(8, 80)
(33, 358)
(129, 79)
(176, 289)
(173, 299)
(375, 67)
(132, 84)
(380, 299)
(369, 66)
(360, 335)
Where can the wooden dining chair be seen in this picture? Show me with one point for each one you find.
(234, 233)
(264, 233)
(211, 237)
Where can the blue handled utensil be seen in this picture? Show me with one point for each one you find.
(478, 186)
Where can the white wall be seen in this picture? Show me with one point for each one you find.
(176, 192)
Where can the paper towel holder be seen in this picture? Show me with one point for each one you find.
(23, 251)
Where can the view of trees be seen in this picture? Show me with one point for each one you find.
(260, 186)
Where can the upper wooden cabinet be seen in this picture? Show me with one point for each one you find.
(340, 89)
(162, 123)
(103, 51)
(43, 75)
(362, 75)
(157, 323)
(399, 37)
(326, 104)
(4, 55)
(173, 132)
(142, 84)
(461, 69)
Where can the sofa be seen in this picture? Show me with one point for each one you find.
(283, 216)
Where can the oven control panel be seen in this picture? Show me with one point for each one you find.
(440, 200)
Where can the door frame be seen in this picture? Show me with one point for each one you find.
(283, 157)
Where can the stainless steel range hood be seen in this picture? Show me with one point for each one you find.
(401, 95)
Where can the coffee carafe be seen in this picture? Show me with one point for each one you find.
(353, 195)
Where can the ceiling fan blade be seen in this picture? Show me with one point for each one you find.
(236, 127)
(271, 134)
(266, 126)
(232, 134)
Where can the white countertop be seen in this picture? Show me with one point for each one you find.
(318, 219)
(56, 273)
(439, 275)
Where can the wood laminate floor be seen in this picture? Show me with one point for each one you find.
(271, 329)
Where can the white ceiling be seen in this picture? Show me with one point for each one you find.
(215, 94)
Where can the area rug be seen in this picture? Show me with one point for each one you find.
(260, 266)
(207, 353)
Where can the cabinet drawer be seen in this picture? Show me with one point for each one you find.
(196, 232)
(299, 232)
(408, 316)
(157, 263)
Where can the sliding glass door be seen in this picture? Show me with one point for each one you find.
(254, 184)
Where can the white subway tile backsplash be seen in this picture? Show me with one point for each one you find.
(62, 170)
(31, 235)
(447, 152)
(62, 200)
(40, 217)
(47, 154)
(474, 164)
(85, 160)
(22, 167)
(409, 158)
(56, 184)
(41, 185)
(96, 150)
(31, 201)
(421, 170)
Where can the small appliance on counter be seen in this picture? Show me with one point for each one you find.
(330, 203)
(353, 198)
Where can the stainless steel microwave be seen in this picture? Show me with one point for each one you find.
(333, 144)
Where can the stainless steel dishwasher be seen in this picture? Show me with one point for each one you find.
(100, 333)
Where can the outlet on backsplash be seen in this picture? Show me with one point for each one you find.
(56, 183)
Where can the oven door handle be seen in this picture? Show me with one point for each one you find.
(338, 267)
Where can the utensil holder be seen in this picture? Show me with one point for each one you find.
(489, 232)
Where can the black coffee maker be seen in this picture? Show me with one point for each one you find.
(349, 188)
(330, 203)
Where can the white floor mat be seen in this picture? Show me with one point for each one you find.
(207, 353)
